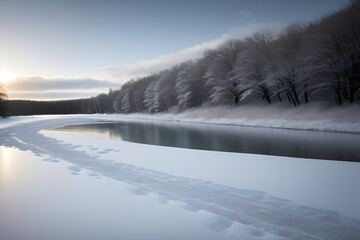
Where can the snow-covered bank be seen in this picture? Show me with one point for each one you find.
(262, 195)
(313, 116)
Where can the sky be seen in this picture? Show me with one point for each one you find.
(63, 49)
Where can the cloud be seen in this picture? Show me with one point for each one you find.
(40, 84)
(147, 67)
(52, 95)
(124, 73)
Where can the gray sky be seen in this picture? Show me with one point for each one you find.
(101, 40)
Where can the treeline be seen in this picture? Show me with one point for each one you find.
(317, 61)
(99, 104)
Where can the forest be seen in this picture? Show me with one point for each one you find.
(318, 61)
(99, 104)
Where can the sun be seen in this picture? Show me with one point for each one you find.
(6, 76)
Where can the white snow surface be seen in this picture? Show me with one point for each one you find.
(247, 196)
(314, 116)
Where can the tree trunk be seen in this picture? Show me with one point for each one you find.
(267, 98)
(292, 100)
(351, 93)
(237, 98)
(306, 97)
(337, 96)
(344, 93)
(296, 98)
(266, 94)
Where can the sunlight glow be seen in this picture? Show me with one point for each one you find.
(6, 75)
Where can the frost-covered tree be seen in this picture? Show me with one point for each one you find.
(199, 81)
(220, 73)
(302, 62)
(126, 102)
(342, 50)
(188, 92)
(335, 55)
(184, 90)
(150, 97)
(288, 72)
(252, 67)
(165, 88)
(124, 99)
(139, 88)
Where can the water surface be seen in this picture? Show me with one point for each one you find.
(269, 141)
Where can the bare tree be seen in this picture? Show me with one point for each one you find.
(336, 52)
(298, 64)
(221, 75)
(288, 70)
(251, 67)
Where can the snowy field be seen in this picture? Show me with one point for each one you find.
(55, 185)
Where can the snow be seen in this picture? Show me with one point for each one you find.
(42, 201)
(314, 116)
(241, 171)
(121, 187)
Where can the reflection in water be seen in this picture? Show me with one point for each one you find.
(282, 142)
(5, 164)
(5, 154)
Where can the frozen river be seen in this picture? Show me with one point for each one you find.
(41, 200)
(269, 141)
(70, 185)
